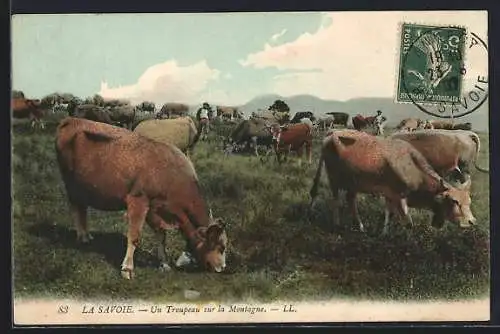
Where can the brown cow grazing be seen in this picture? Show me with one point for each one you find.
(360, 163)
(293, 137)
(446, 151)
(26, 108)
(111, 169)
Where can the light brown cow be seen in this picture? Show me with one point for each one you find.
(446, 125)
(293, 137)
(446, 151)
(180, 132)
(428, 125)
(27, 108)
(228, 112)
(360, 163)
(111, 169)
(409, 124)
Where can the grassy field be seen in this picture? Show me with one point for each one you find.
(278, 248)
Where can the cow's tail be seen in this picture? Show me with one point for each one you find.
(132, 121)
(476, 140)
(314, 189)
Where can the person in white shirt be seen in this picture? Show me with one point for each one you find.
(203, 117)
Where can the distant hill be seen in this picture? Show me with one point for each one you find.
(395, 112)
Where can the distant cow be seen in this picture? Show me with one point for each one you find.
(173, 110)
(272, 116)
(180, 132)
(409, 124)
(360, 163)
(27, 108)
(446, 150)
(463, 126)
(340, 118)
(253, 132)
(228, 112)
(122, 115)
(292, 137)
(111, 169)
(438, 124)
(360, 122)
(91, 112)
(301, 115)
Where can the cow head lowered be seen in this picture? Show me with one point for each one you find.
(210, 249)
(453, 204)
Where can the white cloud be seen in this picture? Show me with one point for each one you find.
(278, 35)
(166, 82)
(355, 53)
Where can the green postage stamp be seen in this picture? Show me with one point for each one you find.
(431, 64)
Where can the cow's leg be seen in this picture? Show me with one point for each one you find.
(336, 205)
(335, 198)
(353, 206)
(388, 215)
(159, 226)
(137, 209)
(309, 152)
(161, 236)
(402, 209)
(79, 213)
(254, 143)
(299, 152)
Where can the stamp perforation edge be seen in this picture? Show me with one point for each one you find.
(398, 57)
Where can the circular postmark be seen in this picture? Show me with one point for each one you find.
(444, 70)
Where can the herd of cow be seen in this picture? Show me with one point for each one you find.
(145, 170)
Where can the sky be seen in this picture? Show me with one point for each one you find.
(223, 58)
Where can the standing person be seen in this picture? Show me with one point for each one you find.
(203, 117)
(378, 123)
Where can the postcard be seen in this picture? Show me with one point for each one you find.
(201, 168)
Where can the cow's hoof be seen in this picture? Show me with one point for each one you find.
(85, 238)
(164, 268)
(128, 274)
(359, 229)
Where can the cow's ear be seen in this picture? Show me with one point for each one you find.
(213, 233)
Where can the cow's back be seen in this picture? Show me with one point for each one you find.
(177, 132)
(369, 163)
(101, 164)
(297, 134)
